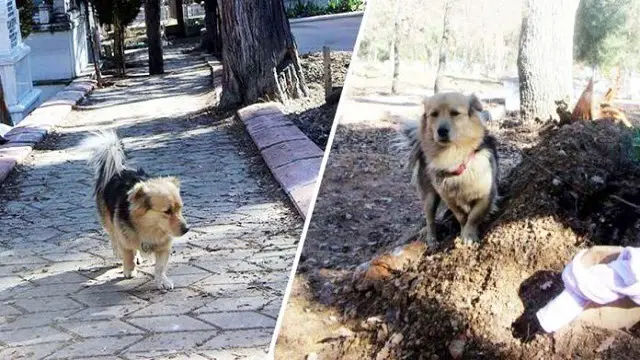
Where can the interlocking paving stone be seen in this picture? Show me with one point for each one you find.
(236, 354)
(170, 323)
(38, 351)
(33, 320)
(101, 328)
(44, 304)
(234, 304)
(59, 278)
(173, 341)
(239, 320)
(239, 339)
(171, 356)
(32, 336)
(95, 347)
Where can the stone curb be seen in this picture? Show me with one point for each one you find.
(326, 17)
(35, 127)
(292, 158)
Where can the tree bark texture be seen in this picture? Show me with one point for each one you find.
(182, 31)
(212, 41)
(95, 49)
(395, 46)
(118, 47)
(545, 57)
(444, 47)
(154, 36)
(259, 56)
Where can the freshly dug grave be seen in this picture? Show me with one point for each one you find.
(311, 114)
(578, 187)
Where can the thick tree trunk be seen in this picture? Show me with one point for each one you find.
(444, 47)
(545, 57)
(259, 55)
(180, 18)
(396, 55)
(118, 47)
(212, 42)
(154, 36)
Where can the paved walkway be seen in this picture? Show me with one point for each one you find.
(62, 294)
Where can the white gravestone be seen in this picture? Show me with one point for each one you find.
(15, 70)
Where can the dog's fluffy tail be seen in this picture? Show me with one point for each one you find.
(407, 138)
(107, 159)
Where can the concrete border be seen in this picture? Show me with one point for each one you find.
(293, 159)
(326, 17)
(35, 127)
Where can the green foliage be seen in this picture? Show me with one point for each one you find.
(26, 8)
(124, 10)
(600, 39)
(632, 59)
(304, 8)
(340, 6)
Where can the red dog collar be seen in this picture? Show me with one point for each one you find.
(462, 167)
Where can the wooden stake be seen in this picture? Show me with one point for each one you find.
(328, 85)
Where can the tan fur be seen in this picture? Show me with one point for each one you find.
(470, 195)
(153, 228)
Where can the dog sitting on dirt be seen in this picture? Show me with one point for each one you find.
(453, 158)
(140, 213)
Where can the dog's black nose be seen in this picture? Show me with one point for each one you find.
(443, 132)
(184, 229)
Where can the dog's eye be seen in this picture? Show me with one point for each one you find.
(454, 113)
(168, 211)
(434, 114)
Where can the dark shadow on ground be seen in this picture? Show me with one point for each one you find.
(316, 123)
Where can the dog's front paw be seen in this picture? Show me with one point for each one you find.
(469, 236)
(164, 283)
(129, 273)
(428, 236)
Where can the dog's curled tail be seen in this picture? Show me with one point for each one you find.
(107, 158)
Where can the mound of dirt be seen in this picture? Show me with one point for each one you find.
(578, 187)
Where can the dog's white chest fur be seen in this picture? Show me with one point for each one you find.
(463, 190)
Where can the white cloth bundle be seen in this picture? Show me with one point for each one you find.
(600, 284)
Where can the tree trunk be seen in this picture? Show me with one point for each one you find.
(444, 47)
(118, 47)
(259, 55)
(95, 50)
(396, 55)
(180, 17)
(545, 57)
(154, 36)
(212, 41)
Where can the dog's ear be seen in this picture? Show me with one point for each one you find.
(474, 104)
(426, 103)
(174, 180)
(426, 106)
(138, 193)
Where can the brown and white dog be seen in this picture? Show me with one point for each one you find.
(140, 213)
(453, 158)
